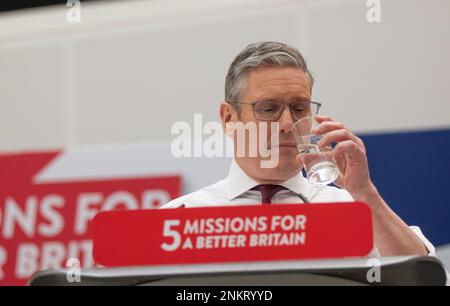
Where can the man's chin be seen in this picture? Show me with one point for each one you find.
(287, 166)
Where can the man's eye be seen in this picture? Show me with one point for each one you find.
(268, 110)
(299, 109)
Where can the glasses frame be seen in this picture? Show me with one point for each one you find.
(318, 104)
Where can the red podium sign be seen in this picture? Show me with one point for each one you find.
(232, 234)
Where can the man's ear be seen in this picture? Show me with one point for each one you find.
(227, 114)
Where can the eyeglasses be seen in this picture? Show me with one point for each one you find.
(272, 110)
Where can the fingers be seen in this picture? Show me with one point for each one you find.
(320, 118)
(349, 149)
(327, 126)
(337, 136)
(333, 132)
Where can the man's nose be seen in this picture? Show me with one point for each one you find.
(286, 122)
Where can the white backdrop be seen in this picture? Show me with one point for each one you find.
(131, 69)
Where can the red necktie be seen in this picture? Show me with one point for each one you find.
(268, 191)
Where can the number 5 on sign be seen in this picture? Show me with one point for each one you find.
(170, 233)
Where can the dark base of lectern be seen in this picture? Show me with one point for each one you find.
(388, 271)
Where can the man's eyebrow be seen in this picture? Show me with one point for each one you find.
(301, 99)
(297, 99)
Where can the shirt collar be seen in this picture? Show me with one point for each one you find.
(238, 182)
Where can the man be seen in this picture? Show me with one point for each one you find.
(277, 73)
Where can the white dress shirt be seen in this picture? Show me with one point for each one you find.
(235, 189)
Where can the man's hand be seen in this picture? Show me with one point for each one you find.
(392, 236)
(350, 155)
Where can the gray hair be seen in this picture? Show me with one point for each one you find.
(258, 55)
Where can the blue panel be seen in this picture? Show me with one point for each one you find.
(412, 172)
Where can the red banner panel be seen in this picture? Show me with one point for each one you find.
(232, 234)
(43, 225)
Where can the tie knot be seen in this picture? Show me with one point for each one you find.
(268, 191)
